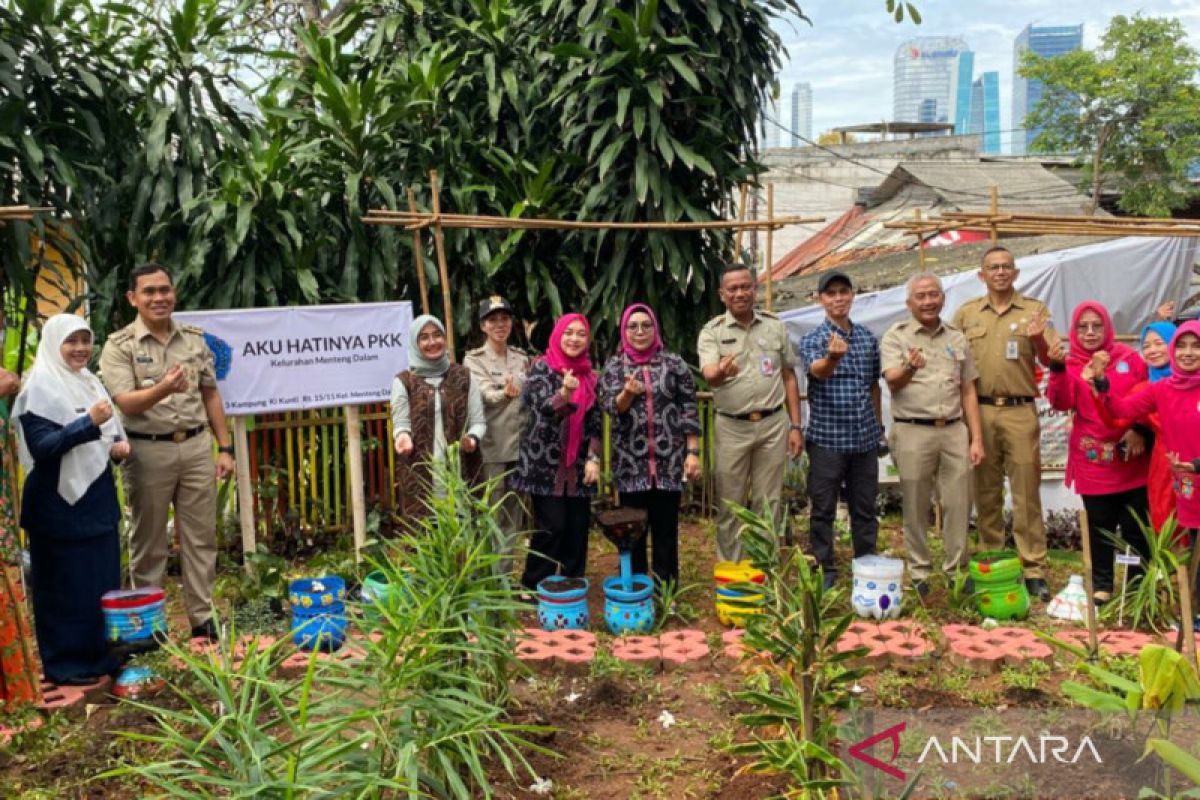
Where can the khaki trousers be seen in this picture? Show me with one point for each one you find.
(159, 475)
(512, 517)
(750, 460)
(926, 456)
(1013, 448)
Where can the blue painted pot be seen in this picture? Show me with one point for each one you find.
(134, 615)
(562, 603)
(318, 612)
(629, 612)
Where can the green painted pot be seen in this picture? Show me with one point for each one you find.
(996, 567)
(376, 594)
(1000, 591)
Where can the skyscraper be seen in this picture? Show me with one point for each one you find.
(932, 80)
(1047, 42)
(802, 109)
(985, 111)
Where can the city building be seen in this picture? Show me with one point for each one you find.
(1047, 42)
(984, 116)
(802, 114)
(932, 80)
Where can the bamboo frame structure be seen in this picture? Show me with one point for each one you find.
(415, 221)
(995, 222)
(21, 213)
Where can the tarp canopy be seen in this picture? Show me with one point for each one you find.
(1130, 276)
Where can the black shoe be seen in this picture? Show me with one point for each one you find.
(968, 587)
(829, 579)
(206, 630)
(922, 587)
(76, 681)
(1038, 588)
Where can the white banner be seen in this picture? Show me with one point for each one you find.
(287, 359)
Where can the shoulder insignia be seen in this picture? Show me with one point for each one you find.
(715, 321)
(191, 329)
(122, 336)
(478, 351)
(762, 312)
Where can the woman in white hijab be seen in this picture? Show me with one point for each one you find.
(67, 438)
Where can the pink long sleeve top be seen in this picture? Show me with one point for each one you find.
(1179, 414)
(1094, 465)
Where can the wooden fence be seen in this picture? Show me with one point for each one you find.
(300, 476)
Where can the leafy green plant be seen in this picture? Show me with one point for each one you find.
(421, 714)
(1152, 597)
(669, 599)
(802, 681)
(1028, 677)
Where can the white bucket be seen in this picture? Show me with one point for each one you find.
(877, 586)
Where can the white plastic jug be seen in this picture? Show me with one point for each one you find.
(877, 586)
(1071, 603)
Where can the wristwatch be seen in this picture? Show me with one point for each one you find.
(226, 450)
(795, 426)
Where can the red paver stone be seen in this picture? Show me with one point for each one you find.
(571, 638)
(1124, 643)
(1017, 652)
(683, 637)
(638, 650)
(860, 627)
(1010, 634)
(910, 648)
(956, 631)
(693, 653)
(976, 655)
(848, 642)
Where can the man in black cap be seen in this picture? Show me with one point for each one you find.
(844, 430)
(500, 371)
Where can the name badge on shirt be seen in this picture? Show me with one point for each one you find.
(1011, 351)
(143, 359)
(767, 366)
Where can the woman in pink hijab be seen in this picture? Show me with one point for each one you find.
(651, 397)
(1107, 461)
(1177, 401)
(559, 460)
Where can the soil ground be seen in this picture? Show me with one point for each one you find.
(609, 734)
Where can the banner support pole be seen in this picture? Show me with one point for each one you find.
(354, 455)
(245, 489)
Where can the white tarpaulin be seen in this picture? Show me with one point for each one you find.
(287, 359)
(1130, 276)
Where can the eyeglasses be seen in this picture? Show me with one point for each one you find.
(999, 267)
(640, 326)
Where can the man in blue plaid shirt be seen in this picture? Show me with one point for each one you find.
(844, 428)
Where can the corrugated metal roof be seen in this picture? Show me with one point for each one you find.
(962, 186)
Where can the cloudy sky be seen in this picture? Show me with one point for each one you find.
(846, 54)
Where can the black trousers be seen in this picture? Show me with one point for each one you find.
(1106, 514)
(560, 538)
(828, 473)
(662, 512)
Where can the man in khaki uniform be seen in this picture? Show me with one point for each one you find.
(931, 374)
(499, 371)
(747, 359)
(1007, 332)
(160, 375)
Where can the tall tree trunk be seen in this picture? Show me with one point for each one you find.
(1097, 154)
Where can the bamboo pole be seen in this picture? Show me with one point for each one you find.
(737, 245)
(1186, 614)
(245, 489)
(770, 263)
(995, 209)
(354, 457)
(443, 273)
(1086, 546)
(419, 256)
(920, 241)
(409, 220)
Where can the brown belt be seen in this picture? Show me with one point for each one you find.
(1006, 401)
(936, 423)
(178, 437)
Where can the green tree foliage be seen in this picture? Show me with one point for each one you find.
(254, 193)
(1129, 107)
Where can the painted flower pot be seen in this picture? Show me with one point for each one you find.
(996, 567)
(730, 602)
(1000, 591)
(628, 612)
(137, 683)
(134, 615)
(562, 603)
(318, 612)
(378, 593)
(878, 586)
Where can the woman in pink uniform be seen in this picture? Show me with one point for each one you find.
(1107, 465)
